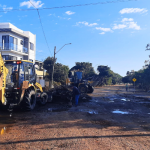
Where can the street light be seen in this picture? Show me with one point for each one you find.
(61, 47)
(54, 61)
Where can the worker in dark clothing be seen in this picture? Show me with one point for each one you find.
(76, 94)
(126, 87)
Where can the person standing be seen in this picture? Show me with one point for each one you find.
(126, 87)
(76, 94)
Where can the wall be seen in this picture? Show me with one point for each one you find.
(32, 39)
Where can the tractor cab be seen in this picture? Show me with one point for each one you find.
(19, 71)
(76, 76)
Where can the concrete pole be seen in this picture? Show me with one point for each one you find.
(53, 68)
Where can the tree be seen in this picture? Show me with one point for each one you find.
(86, 67)
(48, 64)
(107, 76)
(60, 71)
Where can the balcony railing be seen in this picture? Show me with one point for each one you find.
(14, 47)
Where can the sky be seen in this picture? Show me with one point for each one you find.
(110, 34)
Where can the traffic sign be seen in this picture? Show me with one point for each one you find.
(133, 79)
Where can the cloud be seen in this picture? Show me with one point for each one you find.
(0, 15)
(103, 29)
(119, 26)
(102, 33)
(5, 8)
(70, 12)
(127, 19)
(127, 23)
(133, 25)
(37, 4)
(133, 10)
(69, 18)
(86, 24)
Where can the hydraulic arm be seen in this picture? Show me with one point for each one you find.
(3, 74)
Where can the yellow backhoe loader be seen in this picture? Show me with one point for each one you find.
(18, 86)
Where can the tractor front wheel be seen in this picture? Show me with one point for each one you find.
(29, 100)
(83, 88)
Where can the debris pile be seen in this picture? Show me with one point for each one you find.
(63, 94)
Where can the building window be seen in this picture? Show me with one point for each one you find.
(9, 43)
(13, 42)
(8, 57)
(31, 46)
(5, 42)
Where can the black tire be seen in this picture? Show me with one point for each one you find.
(43, 99)
(50, 98)
(83, 88)
(90, 89)
(29, 100)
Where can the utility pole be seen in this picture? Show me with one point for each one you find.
(53, 67)
(54, 63)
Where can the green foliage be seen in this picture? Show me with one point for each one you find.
(48, 63)
(142, 78)
(107, 76)
(86, 67)
(60, 71)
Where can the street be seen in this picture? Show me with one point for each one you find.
(112, 119)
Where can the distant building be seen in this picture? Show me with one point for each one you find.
(39, 70)
(16, 44)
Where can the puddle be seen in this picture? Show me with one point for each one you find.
(94, 100)
(6, 121)
(92, 112)
(119, 112)
(112, 99)
(123, 99)
(88, 111)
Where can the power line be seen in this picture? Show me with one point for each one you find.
(41, 26)
(88, 4)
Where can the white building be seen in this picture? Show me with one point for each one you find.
(16, 44)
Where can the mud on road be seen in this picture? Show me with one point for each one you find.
(112, 119)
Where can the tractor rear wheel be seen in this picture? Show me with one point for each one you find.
(43, 99)
(90, 89)
(29, 100)
(83, 88)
